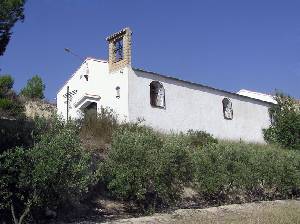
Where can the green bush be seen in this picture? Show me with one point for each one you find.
(10, 105)
(239, 172)
(143, 167)
(59, 155)
(6, 83)
(200, 138)
(17, 132)
(34, 88)
(285, 125)
(5, 104)
(11, 108)
(16, 194)
(53, 173)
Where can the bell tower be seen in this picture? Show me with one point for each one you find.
(119, 49)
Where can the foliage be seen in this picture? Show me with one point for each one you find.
(59, 155)
(143, 167)
(6, 84)
(239, 172)
(24, 132)
(16, 132)
(10, 105)
(11, 108)
(55, 171)
(285, 123)
(10, 12)
(200, 138)
(34, 88)
(16, 192)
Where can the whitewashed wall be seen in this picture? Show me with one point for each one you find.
(188, 106)
(100, 83)
(192, 106)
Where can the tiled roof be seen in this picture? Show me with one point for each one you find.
(208, 87)
(121, 32)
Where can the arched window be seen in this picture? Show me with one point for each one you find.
(227, 109)
(157, 94)
(118, 50)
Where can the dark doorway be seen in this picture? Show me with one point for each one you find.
(91, 110)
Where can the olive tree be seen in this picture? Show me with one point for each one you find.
(55, 171)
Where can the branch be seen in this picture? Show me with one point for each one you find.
(27, 209)
(13, 213)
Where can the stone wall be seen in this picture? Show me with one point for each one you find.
(39, 108)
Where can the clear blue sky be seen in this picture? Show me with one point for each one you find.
(225, 44)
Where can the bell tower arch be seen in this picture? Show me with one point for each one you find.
(119, 49)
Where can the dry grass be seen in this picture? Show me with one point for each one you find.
(96, 131)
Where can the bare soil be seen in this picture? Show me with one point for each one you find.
(277, 212)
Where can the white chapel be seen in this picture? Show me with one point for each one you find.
(167, 104)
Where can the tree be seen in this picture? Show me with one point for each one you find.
(55, 171)
(10, 12)
(285, 122)
(34, 88)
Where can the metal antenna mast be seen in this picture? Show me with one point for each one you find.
(67, 103)
(68, 94)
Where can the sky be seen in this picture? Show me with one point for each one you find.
(230, 45)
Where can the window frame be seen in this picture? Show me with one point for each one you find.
(118, 92)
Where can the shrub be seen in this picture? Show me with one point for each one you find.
(238, 172)
(175, 169)
(14, 133)
(10, 105)
(59, 155)
(34, 88)
(6, 83)
(285, 125)
(54, 172)
(97, 130)
(16, 194)
(11, 108)
(143, 167)
(200, 138)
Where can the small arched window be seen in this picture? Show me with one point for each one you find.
(157, 94)
(118, 92)
(227, 109)
(118, 50)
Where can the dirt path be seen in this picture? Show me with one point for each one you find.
(285, 211)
